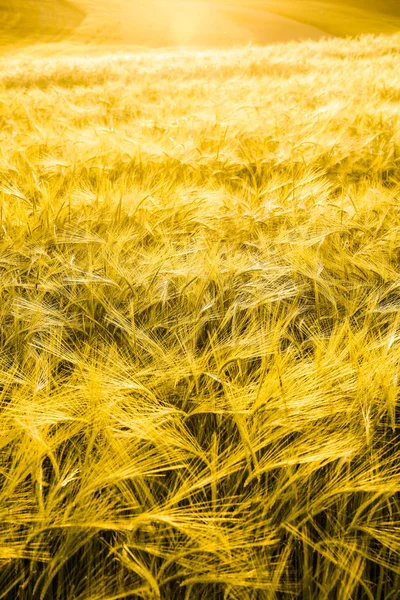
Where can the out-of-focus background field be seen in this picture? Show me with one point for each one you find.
(199, 303)
(194, 22)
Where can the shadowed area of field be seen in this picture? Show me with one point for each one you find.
(37, 20)
(337, 17)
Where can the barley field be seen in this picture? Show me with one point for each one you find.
(200, 323)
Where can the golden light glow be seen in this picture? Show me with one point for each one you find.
(190, 22)
(187, 19)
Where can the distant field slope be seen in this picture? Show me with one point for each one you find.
(338, 17)
(150, 23)
(192, 22)
(31, 20)
(188, 22)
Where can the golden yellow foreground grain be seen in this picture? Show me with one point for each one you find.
(199, 323)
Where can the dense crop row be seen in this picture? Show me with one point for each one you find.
(199, 324)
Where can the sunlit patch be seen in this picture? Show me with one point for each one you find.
(188, 19)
